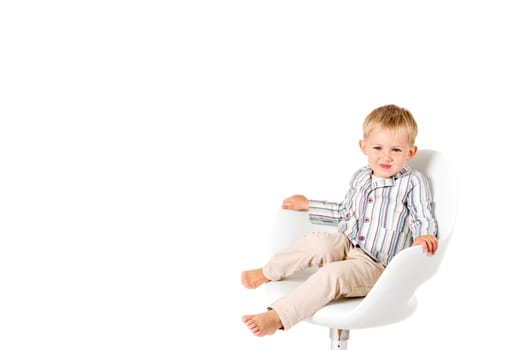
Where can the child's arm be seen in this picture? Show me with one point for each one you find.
(429, 243)
(423, 224)
(296, 202)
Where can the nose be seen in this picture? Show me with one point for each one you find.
(388, 156)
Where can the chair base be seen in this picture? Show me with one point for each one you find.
(339, 338)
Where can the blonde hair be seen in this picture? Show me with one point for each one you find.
(391, 118)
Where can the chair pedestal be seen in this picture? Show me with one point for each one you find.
(339, 338)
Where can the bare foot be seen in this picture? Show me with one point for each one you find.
(252, 279)
(263, 324)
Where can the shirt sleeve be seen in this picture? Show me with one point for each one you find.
(324, 212)
(420, 204)
(332, 213)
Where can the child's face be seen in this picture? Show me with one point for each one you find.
(387, 151)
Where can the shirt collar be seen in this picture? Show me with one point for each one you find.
(390, 181)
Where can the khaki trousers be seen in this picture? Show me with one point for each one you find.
(344, 271)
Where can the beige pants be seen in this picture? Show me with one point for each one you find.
(344, 271)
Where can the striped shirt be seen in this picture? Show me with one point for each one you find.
(381, 215)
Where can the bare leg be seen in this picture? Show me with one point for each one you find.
(263, 324)
(252, 279)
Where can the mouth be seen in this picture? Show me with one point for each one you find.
(385, 166)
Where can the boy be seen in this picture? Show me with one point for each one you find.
(387, 208)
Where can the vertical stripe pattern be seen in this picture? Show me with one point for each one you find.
(381, 215)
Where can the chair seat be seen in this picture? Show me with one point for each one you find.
(340, 314)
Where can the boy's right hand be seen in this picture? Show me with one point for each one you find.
(296, 202)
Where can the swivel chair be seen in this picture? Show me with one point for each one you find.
(392, 298)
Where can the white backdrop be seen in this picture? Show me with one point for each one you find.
(144, 146)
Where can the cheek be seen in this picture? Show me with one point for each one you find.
(374, 158)
(401, 158)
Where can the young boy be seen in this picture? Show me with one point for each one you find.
(387, 208)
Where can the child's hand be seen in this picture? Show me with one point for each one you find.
(429, 243)
(296, 202)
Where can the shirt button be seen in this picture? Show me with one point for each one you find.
(370, 200)
(361, 238)
(366, 220)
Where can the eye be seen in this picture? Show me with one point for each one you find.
(397, 150)
(377, 148)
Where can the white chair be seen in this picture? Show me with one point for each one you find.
(392, 299)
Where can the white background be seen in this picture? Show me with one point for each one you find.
(144, 146)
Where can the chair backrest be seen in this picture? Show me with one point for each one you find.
(290, 224)
(393, 296)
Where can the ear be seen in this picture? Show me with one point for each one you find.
(362, 145)
(412, 151)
